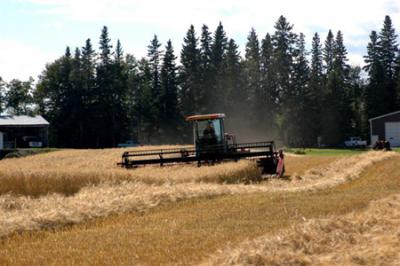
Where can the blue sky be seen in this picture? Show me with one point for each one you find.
(35, 32)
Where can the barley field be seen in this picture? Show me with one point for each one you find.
(67, 171)
(86, 189)
(369, 237)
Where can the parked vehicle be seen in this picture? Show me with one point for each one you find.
(129, 143)
(355, 142)
(32, 142)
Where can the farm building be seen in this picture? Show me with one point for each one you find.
(23, 131)
(386, 127)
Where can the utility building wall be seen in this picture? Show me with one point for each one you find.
(386, 127)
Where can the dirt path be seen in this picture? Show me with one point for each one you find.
(189, 231)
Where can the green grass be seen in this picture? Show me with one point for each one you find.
(325, 152)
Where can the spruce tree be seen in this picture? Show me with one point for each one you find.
(316, 85)
(337, 111)
(356, 97)
(189, 73)
(218, 48)
(105, 106)
(119, 53)
(169, 98)
(120, 94)
(89, 113)
(133, 81)
(154, 54)
(301, 121)
(387, 49)
(144, 102)
(342, 93)
(254, 92)
(284, 40)
(206, 72)
(397, 80)
(328, 52)
(2, 91)
(235, 92)
(105, 47)
(269, 88)
(218, 53)
(375, 104)
(75, 119)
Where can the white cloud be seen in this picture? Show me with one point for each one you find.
(20, 60)
(343, 14)
(171, 19)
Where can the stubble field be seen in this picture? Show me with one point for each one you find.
(100, 213)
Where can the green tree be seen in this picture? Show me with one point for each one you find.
(252, 63)
(52, 95)
(88, 94)
(170, 114)
(206, 72)
(236, 106)
(337, 111)
(316, 86)
(144, 102)
(120, 94)
(300, 124)
(387, 50)
(375, 104)
(218, 53)
(269, 88)
(2, 87)
(105, 120)
(133, 81)
(18, 97)
(328, 52)
(359, 121)
(397, 80)
(284, 41)
(189, 73)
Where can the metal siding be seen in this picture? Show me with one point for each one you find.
(378, 125)
(392, 133)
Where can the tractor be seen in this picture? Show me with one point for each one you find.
(211, 145)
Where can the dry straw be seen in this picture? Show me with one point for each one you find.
(20, 213)
(344, 240)
(68, 171)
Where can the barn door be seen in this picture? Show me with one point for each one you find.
(392, 133)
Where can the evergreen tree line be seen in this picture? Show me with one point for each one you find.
(277, 90)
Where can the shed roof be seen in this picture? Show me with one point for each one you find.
(22, 120)
(381, 116)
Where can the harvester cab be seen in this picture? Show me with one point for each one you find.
(209, 132)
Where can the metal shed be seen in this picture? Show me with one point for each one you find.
(23, 131)
(386, 127)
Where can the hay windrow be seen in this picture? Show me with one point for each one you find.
(26, 213)
(67, 171)
(344, 240)
(338, 172)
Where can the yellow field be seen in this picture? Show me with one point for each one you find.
(68, 171)
(175, 214)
